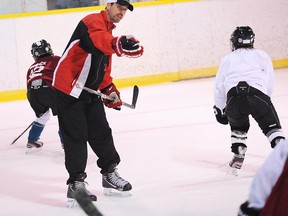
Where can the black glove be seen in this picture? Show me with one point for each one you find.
(220, 117)
(244, 210)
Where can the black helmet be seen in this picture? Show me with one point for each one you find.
(40, 49)
(242, 37)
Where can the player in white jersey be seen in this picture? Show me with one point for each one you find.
(243, 86)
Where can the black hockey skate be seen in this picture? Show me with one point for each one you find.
(71, 202)
(112, 180)
(237, 160)
(34, 146)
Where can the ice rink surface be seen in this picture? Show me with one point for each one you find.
(171, 148)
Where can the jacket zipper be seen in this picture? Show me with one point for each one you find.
(97, 72)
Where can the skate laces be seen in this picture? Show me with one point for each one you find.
(238, 159)
(115, 179)
(80, 184)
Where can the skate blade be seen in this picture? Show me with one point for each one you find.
(114, 192)
(234, 171)
(72, 203)
(33, 150)
(230, 169)
(224, 165)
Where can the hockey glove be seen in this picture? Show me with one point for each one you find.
(220, 117)
(112, 92)
(127, 45)
(244, 210)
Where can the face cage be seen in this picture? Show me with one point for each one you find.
(42, 53)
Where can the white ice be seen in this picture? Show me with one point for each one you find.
(171, 148)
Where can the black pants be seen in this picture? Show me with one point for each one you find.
(84, 120)
(42, 99)
(244, 100)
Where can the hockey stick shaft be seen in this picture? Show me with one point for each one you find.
(104, 96)
(21, 133)
(85, 203)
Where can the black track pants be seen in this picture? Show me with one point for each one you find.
(82, 121)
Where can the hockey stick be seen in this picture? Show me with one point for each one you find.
(21, 133)
(134, 97)
(85, 203)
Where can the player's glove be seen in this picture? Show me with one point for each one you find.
(112, 92)
(244, 210)
(220, 117)
(127, 45)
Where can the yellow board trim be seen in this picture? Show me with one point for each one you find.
(20, 94)
(181, 75)
(13, 95)
(91, 8)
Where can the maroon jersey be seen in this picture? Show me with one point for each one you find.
(43, 69)
(276, 203)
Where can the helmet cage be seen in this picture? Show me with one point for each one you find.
(40, 49)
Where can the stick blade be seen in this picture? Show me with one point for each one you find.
(85, 203)
(135, 95)
(14, 141)
(21, 134)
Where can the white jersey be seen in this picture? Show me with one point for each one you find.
(251, 65)
(267, 175)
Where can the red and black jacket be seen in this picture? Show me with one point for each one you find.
(88, 56)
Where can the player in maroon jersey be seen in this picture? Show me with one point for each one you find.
(268, 194)
(40, 92)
